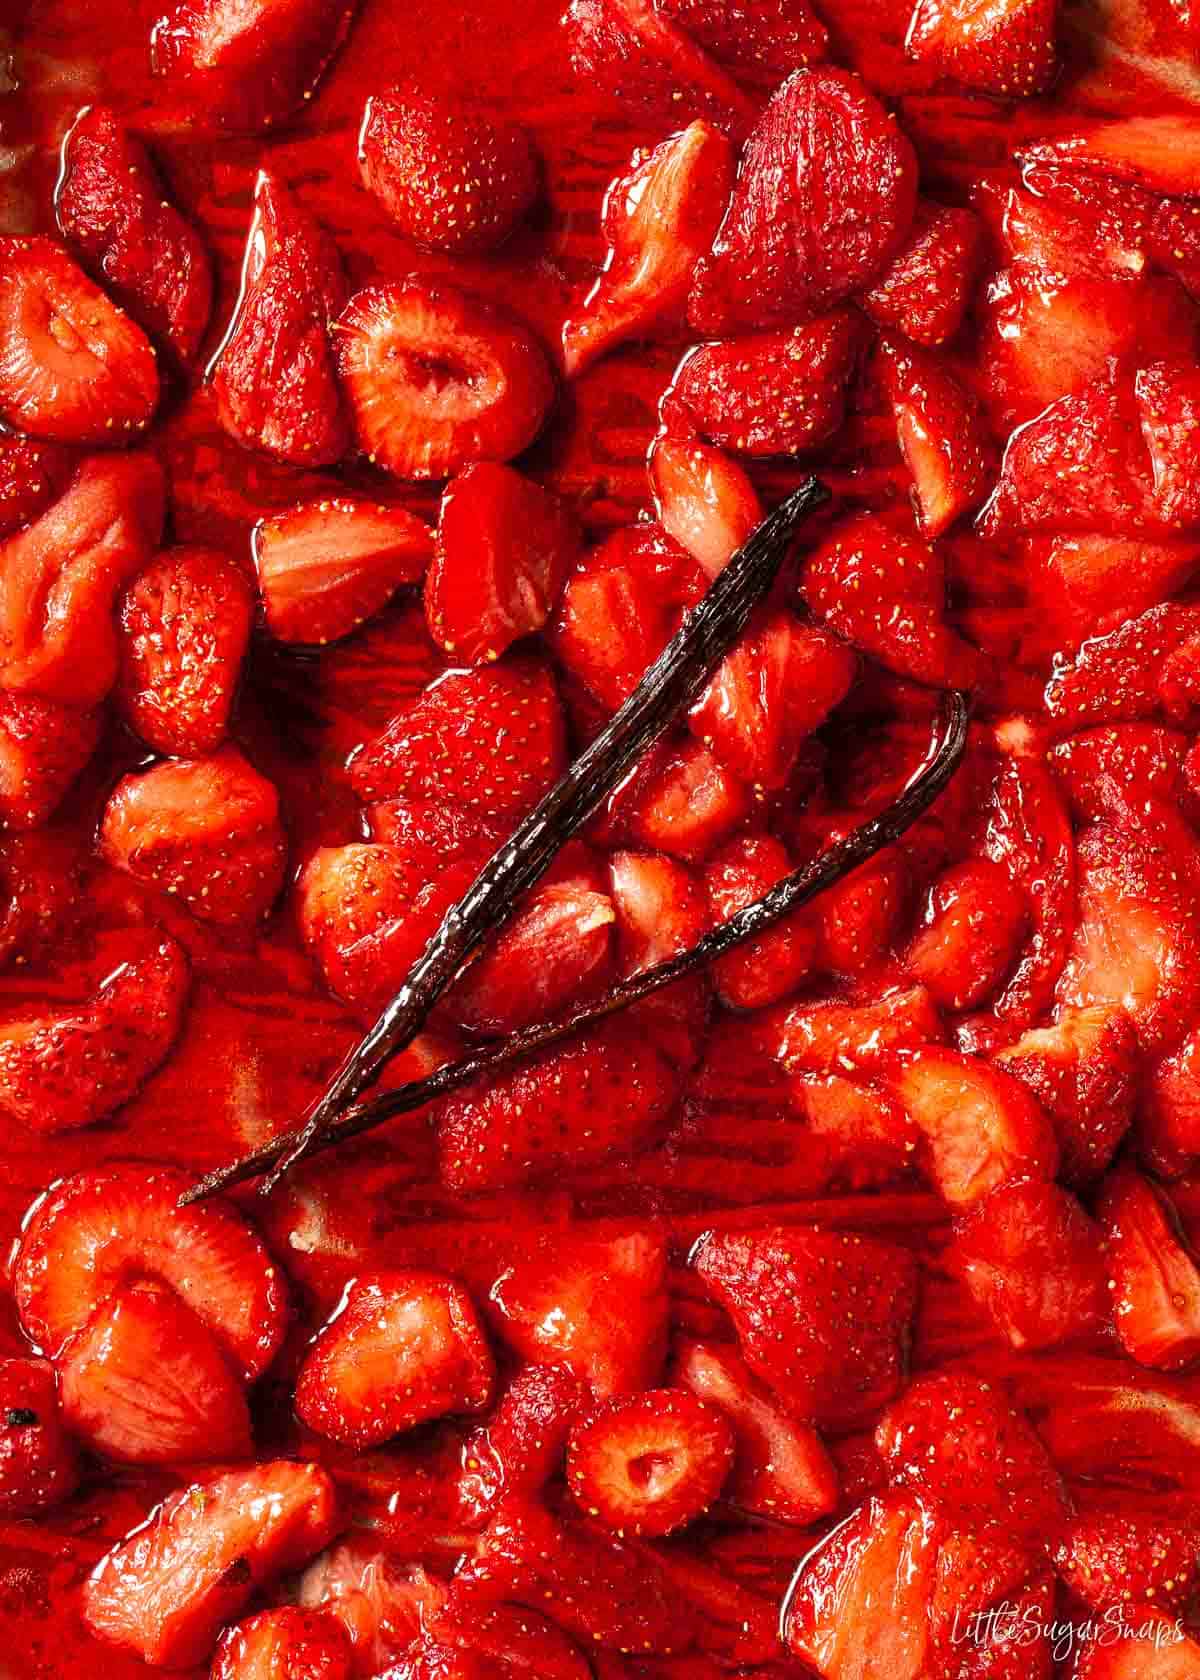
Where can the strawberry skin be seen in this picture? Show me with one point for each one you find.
(33, 473)
(288, 1641)
(1006, 49)
(43, 747)
(975, 919)
(1084, 1072)
(925, 291)
(1130, 1553)
(522, 1443)
(450, 178)
(765, 969)
(687, 1444)
(37, 1459)
(762, 44)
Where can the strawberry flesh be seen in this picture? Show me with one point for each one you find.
(1083, 1070)
(974, 922)
(1154, 1277)
(650, 1463)
(703, 499)
(306, 1644)
(940, 433)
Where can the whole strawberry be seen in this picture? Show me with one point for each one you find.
(451, 179)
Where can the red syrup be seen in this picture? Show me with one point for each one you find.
(262, 1034)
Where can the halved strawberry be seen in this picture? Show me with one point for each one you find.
(521, 1445)
(765, 969)
(1154, 1276)
(33, 473)
(884, 590)
(145, 1382)
(59, 579)
(777, 36)
(37, 1459)
(974, 921)
(658, 221)
(777, 685)
(379, 1601)
(306, 1644)
(774, 393)
(166, 1591)
(925, 290)
(1083, 1071)
(660, 907)
(1090, 583)
(43, 747)
(598, 1306)
(1161, 153)
(1150, 1646)
(69, 1067)
(91, 1234)
(857, 917)
(1119, 677)
(1169, 1111)
(941, 435)
(826, 1037)
(1121, 770)
(823, 1317)
(490, 739)
(204, 829)
(823, 200)
(1007, 49)
(73, 367)
(183, 629)
(247, 65)
(1129, 1552)
(110, 207)
(504, 1643)
(683, 801)
(867, 1136)
(703, 499)
(450, 177)
(436, 379)
(402, 1347)
(1168, 401)
(504, 545)
(650, 1463)
(274, 377)
(781, 1470)
(994, 1602)
(436, 835)
(602, 1094)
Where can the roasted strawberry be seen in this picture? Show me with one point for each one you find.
(33, 473)
(658, 220)
(777, 393)
(1169, 1111)
(504, 1643)
(300, 1644)
(974, 920)
(247, 66)
(597, 1306)
(37, 1460)
(183, 629)
(1160, 153)
(274, 376)
(779, 683)
(402, 1347)
(765, 969)
(437, 379)
(660, 908)
(59, 579)
(650, 1463)
(1121, 676)
(941, 435)
(682, 801)
(73, 367)
(884, 590)
(451, 178)
(857, 917)
(1168, 400)
(436, 836)
(166, 1591)
(145, 1382)
(204, 829)
(925, 290)
(489, 739)
(602, 1094)
(521, 1445)
(379, 1602)
(111, 208)
(823, 1317)
(781, 1470)
(703, 499)
(1083, 1071)
(95, 1232)
(1121, 771)
(504, 545)
(993, 1608)
(823, 200)
(40, 877)
(1130, 1553)
(1090, 583)
(1154, 1276)
(43, 747)
(1151, 1644)
(1006, 50)
(69, 1067)
(848, 1038)
(778, 36)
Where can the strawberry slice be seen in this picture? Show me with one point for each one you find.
(682, 801)
(1030, 1257)
(703, 499)
(504, 546)
(402, 1347)
(885, 591)
(489, 739)
(37, 1460)
(973, 925)
(73, 367)
(765, 969)
(166, 1591)
(247, 66)
(111, 207)
(206, 830)
(1151, 1646)
(777, 393)
(1130, 1553)
(92, 1234)
(778, 684)
(940, 433)
(274, 376)
(1168, 400)
(286, 1641)
(603, 1094)
(1083, 1070)
(33, 474)
(823, 1317)
(650, 1463)
(823, 200)
(658, 221)
(60, 576)
(43, 747)
(1006, 49)
(70, 1067)
(763, 44)
(183, 630)
(521, 1445)
(1154, 1276)
(1161, 153)
(437, 379)
(325, 567)
(144, 1382)
(598, 1306)
(451, 178)
(925, 290)
(781, 1470)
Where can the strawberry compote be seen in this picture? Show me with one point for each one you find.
(380, 386)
